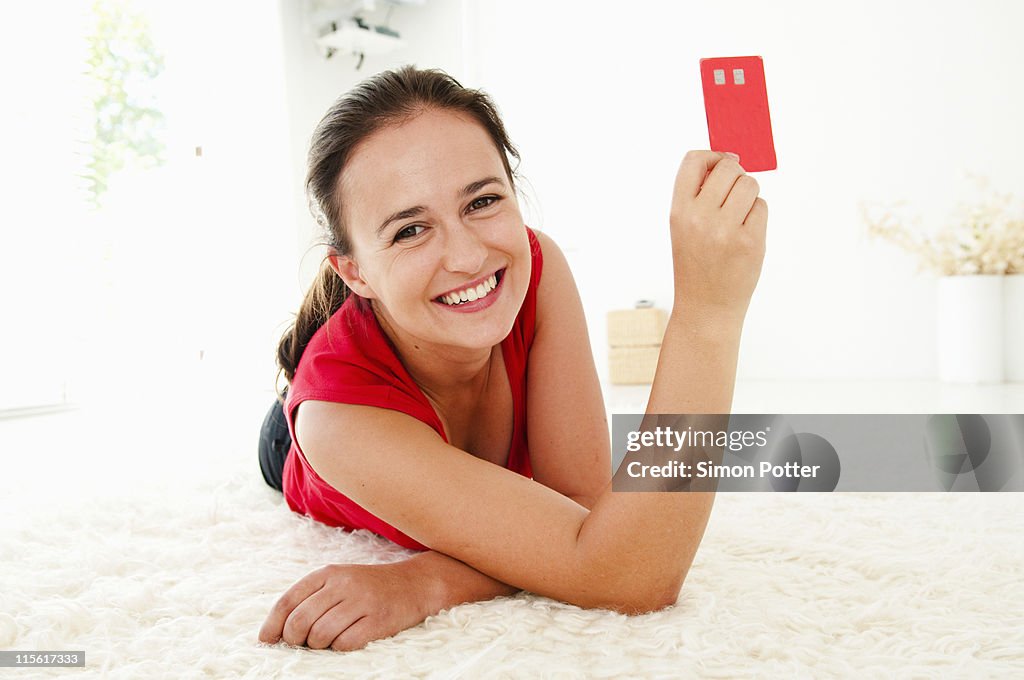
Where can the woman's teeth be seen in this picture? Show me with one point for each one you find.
(471, 294)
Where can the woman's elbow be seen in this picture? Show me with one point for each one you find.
(654, 600)
(636, 596)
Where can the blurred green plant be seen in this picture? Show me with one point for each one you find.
(123, 63)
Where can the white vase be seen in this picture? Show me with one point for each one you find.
(969, 329)
(1013, 325)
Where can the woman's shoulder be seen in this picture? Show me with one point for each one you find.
(349, 360)
(556, 287)
(347, 335)
(537, 247)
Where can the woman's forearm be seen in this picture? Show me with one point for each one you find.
(638, 546)
(449, 582)
(697, 366)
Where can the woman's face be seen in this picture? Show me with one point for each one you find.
(432, 216)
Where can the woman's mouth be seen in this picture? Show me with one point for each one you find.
(473, 298)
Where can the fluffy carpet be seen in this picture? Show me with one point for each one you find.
(177, 585)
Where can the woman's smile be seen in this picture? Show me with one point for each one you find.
(475, 296)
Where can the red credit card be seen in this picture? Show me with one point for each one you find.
(736, 102)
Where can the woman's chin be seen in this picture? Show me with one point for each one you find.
(475, 339)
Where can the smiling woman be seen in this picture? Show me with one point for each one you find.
(441, 389)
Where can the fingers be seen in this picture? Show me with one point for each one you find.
(273, 628)
(711, 182)
(345, 607)
(326, 629)
(358, 635)
(718, 225)
(757, 219)
(692, 172)
(720, 183)
(740, 200)
(312, 616)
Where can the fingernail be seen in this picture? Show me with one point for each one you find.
(736, 156)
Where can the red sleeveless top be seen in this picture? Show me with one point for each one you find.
(351, 361)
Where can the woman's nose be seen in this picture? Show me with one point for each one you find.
(464, 251)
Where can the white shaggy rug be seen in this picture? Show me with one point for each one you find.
(847, 585)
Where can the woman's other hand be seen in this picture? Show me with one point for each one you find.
(718, 226)
(346, 606)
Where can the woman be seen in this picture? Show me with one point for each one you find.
(411, 400)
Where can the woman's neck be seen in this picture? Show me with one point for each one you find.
(444, 373)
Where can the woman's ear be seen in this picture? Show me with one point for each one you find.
(348, 270)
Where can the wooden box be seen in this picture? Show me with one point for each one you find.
(634, 344)
(636, 327)
(632, 365)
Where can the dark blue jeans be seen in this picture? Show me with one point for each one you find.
(274, 444)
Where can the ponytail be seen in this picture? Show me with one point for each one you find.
(323, 299)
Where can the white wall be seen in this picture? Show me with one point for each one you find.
(212, 236)
(41, 254)
(881, 101)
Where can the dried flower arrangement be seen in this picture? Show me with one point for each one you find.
(983, 238)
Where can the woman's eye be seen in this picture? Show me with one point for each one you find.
(409, 232)
(483, 202)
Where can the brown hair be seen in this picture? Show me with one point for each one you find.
(385, 99)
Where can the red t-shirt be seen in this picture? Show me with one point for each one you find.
(351, 361)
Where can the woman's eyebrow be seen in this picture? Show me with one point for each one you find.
(416, 210)
(473, 187)
(401, 215)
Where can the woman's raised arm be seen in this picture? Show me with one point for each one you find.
(718, 242)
